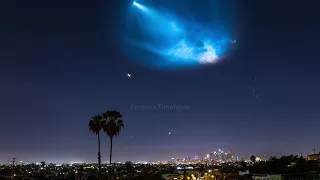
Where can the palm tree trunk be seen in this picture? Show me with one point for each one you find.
(99, 155)
(110, 158)
(110, 149)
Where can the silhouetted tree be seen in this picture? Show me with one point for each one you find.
(253, 159)
(43, 164)
(285, 165)
(112, 126)
(129, 166)
(72, 175)
(95, 126)
(243, 164)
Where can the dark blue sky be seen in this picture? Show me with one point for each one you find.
(62, 61)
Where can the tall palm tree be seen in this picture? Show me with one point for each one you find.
(95, 126)
(112, 126)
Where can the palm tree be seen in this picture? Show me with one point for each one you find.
(112, 126)
(95, 126)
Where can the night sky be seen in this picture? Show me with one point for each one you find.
(62, 62)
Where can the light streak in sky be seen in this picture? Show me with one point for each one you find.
(176, 40)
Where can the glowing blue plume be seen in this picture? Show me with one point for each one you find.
(177, 40)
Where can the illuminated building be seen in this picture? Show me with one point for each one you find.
(313, 157)
(222, 157)
(211, 155)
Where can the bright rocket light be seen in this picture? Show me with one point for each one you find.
(177, 40)
(141, 7)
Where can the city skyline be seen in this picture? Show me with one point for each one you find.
(181, 158)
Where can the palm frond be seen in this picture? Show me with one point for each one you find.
(95, 124)
(112, 123)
